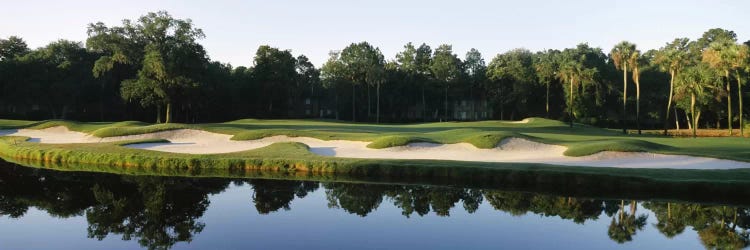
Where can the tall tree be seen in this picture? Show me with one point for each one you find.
(423, 61)
(723, 56)
(574, 70)
(546, 66)
(275, 73)
(476, 72)
(693, 82)
(445, 68)
(171, 59)
(513, 75)
(672, 58)
(332, 75)
(635, 62)
(622, 55)
(363, 64)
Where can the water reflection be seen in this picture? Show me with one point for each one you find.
(159, 212)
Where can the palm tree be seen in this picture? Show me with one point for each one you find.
(635, 62)
(546, 67)
(672, 58)
(693, 82)
(622, 55)
(740, 62)
(573, 70)
(722, 55)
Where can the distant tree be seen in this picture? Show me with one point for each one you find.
(275, 73)
(672, 58)
(332, 75)
(622, 55)
(725, 57)
(574, 70)
(12, 47)
(362, 64)
(546, 66)
(61, 70)
(512, 74)
(415, 63)
(307, 75)
(476, 74)
(445, 68)
(636, 60)
(694, 82)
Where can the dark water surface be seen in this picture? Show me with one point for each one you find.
(45, 209)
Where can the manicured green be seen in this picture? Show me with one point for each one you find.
(580, 140)
(295, 161)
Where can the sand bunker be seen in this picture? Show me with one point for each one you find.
(191, 141)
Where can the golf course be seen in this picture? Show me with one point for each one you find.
(530, 150)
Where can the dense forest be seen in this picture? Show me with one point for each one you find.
(154, 69)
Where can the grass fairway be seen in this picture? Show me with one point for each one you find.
(580, 140)
(295, 161)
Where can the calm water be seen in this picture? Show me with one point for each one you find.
(44, 209)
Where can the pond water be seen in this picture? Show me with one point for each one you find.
(46, 209)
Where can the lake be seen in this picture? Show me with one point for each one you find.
(48, 209)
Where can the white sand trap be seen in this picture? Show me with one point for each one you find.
(191, 141)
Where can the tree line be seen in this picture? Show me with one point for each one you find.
(155, 69)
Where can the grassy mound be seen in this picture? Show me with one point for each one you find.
(619, 145)
(124, 130)
(395, 141)
(492, 139)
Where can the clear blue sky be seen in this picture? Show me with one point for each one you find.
(235, 29)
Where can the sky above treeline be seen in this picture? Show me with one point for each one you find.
(235, 29)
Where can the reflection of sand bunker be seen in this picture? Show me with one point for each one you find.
(509, 150)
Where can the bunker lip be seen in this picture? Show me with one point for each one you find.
(513, 150)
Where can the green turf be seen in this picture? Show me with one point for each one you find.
(580, 140)
(294, 160)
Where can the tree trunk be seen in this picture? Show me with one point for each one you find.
(158, 113)
(424, 106)
(669, 101)
(336, 102)
(354, 100)
(729, 103)
(446, 103)
(624, 98)
(570, 106)
(676, 119)
(739, 90)
(168, 119)
(689, 120)
(638, 105)
(547, 100)
(692, 113)
(369, 103)
(377, 115)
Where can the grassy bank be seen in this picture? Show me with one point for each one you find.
(580, 140)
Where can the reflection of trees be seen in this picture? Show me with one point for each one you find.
(516, 203)
(718, 227)
(359, 199)
(272, 195)
(667, 223)
(157, 211)
(625, 225)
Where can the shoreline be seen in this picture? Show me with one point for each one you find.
(509, 150)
